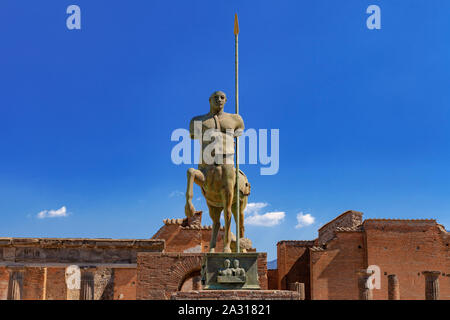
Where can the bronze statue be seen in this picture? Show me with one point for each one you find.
(218, 179)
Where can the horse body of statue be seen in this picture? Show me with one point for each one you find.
(216, 174)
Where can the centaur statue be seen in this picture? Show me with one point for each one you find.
(216, 174)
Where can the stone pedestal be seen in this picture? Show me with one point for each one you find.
(393, 287)
(365, 293)
(431, 285)
(236, 295)
(230, 271)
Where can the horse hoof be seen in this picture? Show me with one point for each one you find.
(212, 250)
(189, 210)
(227, 250)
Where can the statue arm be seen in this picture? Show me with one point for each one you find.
(193, 128)
(239, 130)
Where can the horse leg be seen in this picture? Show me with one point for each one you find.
(228, 199)
(214, 213)
(228, 177)
(196, 176)
(242, 206)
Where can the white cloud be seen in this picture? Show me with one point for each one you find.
(255, 218)
(62, 212)
(304, 220)
(268, 219)
(254, 207)
(176, 193)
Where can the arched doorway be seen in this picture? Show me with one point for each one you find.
(191, 281)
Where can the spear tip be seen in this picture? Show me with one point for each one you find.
(236, 25)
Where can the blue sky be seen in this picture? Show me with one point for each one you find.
(86, 115)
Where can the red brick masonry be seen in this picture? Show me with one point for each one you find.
(237, 295)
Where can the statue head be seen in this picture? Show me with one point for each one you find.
(217, 101)
(226, 263)
(236, 263)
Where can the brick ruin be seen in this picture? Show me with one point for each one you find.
(35, 269)
(330, 266)
(411, 259)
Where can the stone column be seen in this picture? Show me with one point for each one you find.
(44, 288)
(299, 287)
(365, 293)
(103, 283)
(73, 279)
(431, 285)
(15, 286)
(393, 287)
(87, 286)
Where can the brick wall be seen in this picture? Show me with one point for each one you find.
(333, 270)
(237, 295)
(56, 284)
(406, 248)
(125, 283)
(272, 279)
(184, 235)
(348, 219)
(206, 238)
(33, 283)
(44, 260)
(293, 264)
(262, 270)
(159, 275)
(4, 281)
(401, 247)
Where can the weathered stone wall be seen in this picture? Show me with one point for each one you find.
(88, 251)
(104, 279)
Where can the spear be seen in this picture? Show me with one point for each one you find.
(236, 34)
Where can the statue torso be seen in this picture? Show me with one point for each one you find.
(225, 121)
(221, 123)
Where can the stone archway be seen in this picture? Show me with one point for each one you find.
(191, 281)
(186, 266)
(162, 274)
